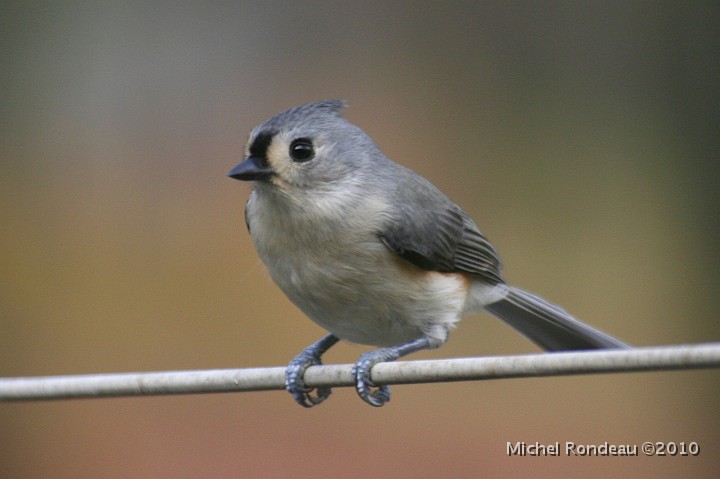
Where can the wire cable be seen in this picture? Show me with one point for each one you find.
(662, 358)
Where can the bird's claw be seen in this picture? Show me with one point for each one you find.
(295, 384)
(367, 390)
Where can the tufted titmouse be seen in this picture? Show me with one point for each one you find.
(373, 252)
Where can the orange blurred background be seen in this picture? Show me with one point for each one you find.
(583, 138)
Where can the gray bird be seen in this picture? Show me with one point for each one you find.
(373, 252)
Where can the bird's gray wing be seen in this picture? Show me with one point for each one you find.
(428, 230)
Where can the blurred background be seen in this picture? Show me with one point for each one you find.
(583, 137)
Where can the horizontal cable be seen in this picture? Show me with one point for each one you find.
(403, 372)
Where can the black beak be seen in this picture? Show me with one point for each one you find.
(254, 168)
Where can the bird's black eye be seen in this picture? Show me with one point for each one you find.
(301, 150)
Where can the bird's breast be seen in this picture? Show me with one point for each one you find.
(341, 275)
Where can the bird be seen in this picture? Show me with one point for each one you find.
(373, 252)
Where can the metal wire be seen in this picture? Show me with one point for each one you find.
(663, 358)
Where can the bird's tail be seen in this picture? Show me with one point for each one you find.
(547, 325)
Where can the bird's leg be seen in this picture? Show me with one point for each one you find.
(296, 369)
(361, 371)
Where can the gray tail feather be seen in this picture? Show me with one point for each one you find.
(547, 325)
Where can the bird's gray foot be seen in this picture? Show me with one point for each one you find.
(294, 383)
(366, 389)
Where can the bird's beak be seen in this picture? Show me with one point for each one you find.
(254, 168)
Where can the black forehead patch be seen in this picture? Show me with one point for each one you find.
(261, 143)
